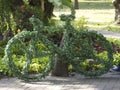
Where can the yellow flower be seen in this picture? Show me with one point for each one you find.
(18, 31)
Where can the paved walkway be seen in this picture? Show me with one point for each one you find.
(110, 34)
(109, 81)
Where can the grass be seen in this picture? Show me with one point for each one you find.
(98, 4)
(98, 13)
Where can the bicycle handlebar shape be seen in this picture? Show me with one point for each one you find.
(77, 47)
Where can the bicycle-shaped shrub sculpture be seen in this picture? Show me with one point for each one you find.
(79, 47)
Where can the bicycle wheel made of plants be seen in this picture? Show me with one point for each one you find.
(91, 53)
(28, 55)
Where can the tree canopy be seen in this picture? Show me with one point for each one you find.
(14, 14)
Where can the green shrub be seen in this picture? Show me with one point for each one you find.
(2, 46)
(80, 23)
(116, 58)
(37, 65)
(4, 70)
(116, 48)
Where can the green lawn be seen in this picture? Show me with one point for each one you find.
(98, 13)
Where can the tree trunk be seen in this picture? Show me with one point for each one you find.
(116, 4)
(60, 68)
(15, 3)
(76, 6)
(48, 11)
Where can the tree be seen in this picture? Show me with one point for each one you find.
(116, 4)
(76, 6)
(46, 9)
(15, 13)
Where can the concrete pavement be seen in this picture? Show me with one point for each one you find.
(109, 34)
(109, 81)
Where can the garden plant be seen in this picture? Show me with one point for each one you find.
(76, 48)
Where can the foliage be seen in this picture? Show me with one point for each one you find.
(4, 70)
(2, 46)
(30, 43)
(86, 42)
(77, 46)
(15, 16)
(80, 23)
(116, 49)
(114, 40)
(15, 13)
(27, 56)
(116, 59)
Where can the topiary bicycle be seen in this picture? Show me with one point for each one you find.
(35, 51)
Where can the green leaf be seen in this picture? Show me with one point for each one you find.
(66, 2)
